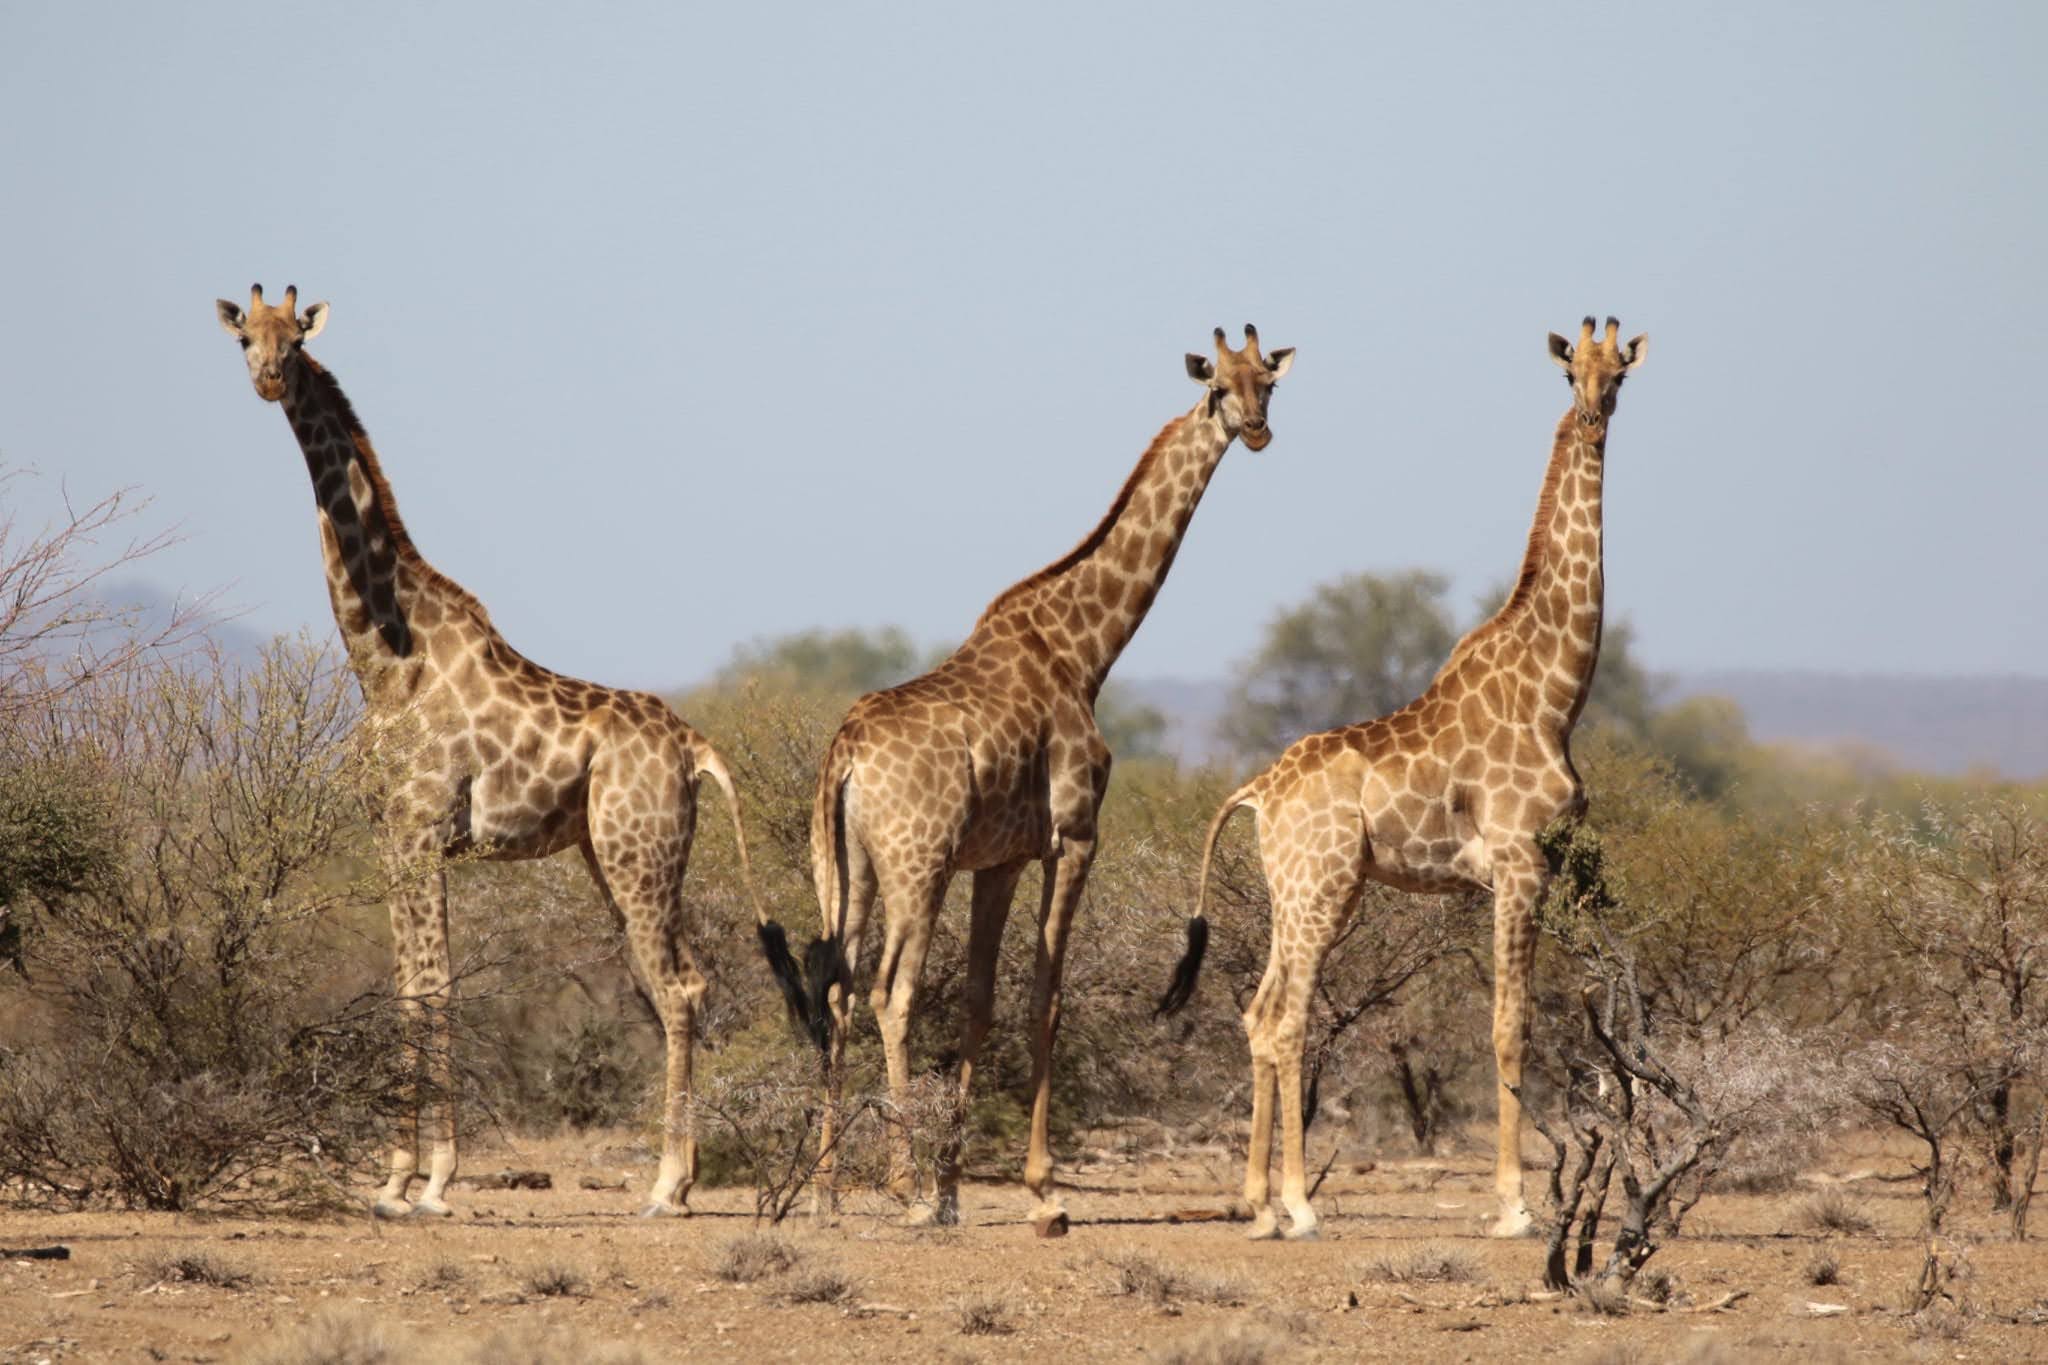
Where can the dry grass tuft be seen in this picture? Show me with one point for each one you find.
(817, 1286)
(555, 1281)
(1707, 1352)
(984, 1317)
(1239, 1343)
(1834, 1211)
(337, 1336)
(562, 1347)
(1824, 1269)
(195, 1267)
(754, 1256)
(1144, 1276)
(1423, 1265)
(444, 1277)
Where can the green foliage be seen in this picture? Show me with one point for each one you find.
(1132, 728)
(189, 1038)
(1360, 647)
(834, 662)
(1368, 644)
(56, 836)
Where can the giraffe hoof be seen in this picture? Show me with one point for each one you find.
(390, 1208)
(1513, 1223)
(431, 1208)
(659, 1210)
(1305, 1232)
(1265, 1228)
(1050, 1223)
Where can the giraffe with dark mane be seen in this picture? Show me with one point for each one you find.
(485, 751)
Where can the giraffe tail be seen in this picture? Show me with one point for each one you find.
(1185, 973)
(774, 941)
(825, 962)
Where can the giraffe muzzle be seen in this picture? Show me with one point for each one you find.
(1256, 437)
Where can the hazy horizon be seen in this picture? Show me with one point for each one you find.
(677, 329)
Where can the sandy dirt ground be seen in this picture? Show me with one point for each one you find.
(1401, 1272)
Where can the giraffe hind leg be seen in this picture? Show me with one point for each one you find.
(913, 904)
(1311, 909)
(1258, 1165)
(639, 849)
(836, 1011)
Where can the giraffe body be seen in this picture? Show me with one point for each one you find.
(993, 761)
(482, 750)
(1446, 794)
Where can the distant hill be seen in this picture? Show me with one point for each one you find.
(1932, 724)
(1944, 725)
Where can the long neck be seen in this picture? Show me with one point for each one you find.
(1555, 609)
(1087, 605)
(373, 572)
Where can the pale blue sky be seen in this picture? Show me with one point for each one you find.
(678, 325)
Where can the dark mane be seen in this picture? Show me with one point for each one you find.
(1091, 542)
(331, 393)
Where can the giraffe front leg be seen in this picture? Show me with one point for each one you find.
(402, 1165)
(1518, 875)
(1064, 879)
(410, 880)
(435, 985)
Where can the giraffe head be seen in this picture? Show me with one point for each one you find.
(1240, 385)
(1595, 369)
(270, 337)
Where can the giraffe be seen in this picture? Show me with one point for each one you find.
(489, 752)
(992, 761)
(1446, 794)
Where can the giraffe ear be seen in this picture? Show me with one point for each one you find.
(1200, 370)
(1560, 349)
(230, 317)
(313, 321)
(1636, 350)
(1281, 361)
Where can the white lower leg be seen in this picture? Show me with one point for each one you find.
(404, 1167)
(669, 1190)
(440, 1170)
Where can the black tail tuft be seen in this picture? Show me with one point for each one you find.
(1189, 968)
(824, 966)
(790, 977)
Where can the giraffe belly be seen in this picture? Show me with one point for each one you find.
(530, 818)
(998, 839)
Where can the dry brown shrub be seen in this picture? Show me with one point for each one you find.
(1139, 1274)
(1834, 1211)
(754, 1256)
(822, 1285)
(986, 1316)
(1238, 1343)
(1423, 1265)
